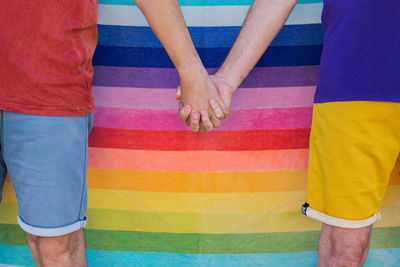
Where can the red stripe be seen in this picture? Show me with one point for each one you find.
(186, 140)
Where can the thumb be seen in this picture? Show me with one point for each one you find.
(178, 93)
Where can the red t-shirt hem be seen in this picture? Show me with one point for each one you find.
(47, 111)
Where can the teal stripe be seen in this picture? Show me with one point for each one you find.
(15, 255)
(201, 2)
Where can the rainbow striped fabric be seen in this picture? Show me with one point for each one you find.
(160, 195)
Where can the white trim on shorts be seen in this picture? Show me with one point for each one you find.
(49, 232)
(340, 222)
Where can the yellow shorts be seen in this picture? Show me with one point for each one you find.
(354, 149)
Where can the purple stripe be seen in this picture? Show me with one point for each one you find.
(257, 119)
(168, 77)
(162, 99)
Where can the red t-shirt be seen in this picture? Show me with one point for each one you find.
(46, 50)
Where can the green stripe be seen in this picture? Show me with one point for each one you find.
(204, 243)
(202, 2)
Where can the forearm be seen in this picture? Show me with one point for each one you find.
(166, 20)
(264, 21)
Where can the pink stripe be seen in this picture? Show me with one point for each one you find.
(162, 99)
(256, 119)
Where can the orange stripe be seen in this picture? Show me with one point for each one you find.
(184, 182)
(212, 182)
(202, 182)
(395, 176)
(198, 161)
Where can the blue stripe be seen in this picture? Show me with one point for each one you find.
(211, 57)
(19, 255)
(207, 37)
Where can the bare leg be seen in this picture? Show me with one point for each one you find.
(67, 250)
(342, 246)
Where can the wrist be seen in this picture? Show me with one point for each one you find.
(228, 79)
(190, 68)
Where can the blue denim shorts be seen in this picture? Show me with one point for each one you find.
(46, 158)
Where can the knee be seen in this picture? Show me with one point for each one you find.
(348, 254)
(345, 257)
(53, 251)
(343, 247)
(50, 246)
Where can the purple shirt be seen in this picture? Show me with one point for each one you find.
(361, 56)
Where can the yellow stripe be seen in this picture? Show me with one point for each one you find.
(273, 202)
(202, 222)
(187, 202)
(392, 196)
(185, 222)
(201, 202)
(189, 222)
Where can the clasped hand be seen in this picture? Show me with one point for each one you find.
(204, 100)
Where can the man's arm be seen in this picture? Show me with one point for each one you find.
(264, 21)
(167, 22)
